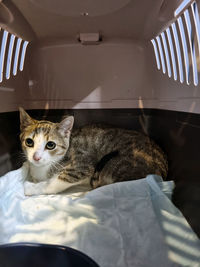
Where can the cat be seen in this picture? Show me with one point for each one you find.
(59, 157)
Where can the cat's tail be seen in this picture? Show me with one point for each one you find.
(99, 167)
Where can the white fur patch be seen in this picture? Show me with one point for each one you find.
(52, 186)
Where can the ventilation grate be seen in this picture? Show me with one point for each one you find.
(12, 54)
(177, 48)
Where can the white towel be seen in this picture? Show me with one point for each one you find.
(120, 225)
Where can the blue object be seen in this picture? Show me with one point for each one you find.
(42, 255)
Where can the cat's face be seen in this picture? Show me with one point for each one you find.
(44, 142)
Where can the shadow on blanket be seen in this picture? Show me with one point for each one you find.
(124, 224)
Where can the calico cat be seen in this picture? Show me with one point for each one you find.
(59, 157)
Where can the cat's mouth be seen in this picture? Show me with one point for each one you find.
(38, 163)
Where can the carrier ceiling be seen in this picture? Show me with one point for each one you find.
(135, 19)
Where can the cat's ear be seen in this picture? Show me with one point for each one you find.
(25, 119)
(65, 126)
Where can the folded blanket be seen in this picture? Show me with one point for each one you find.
(120, 225)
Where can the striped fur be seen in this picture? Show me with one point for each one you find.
(103, 155)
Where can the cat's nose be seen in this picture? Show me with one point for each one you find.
(36, 157)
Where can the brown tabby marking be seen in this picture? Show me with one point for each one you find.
(102, 154)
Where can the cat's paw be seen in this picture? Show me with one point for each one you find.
(29, 189)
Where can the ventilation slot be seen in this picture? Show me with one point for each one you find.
(12, 54)
(185, 49)
(166, 54)
(25, 44)
(161, 53)
(178, 51)
(156, 53)
(171, 48)
(2, 54)
(178, 46)
(181, 7)
(16, 56)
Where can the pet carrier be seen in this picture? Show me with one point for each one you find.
(126, 63)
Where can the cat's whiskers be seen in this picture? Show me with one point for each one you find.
(56, 165)
(59, 164)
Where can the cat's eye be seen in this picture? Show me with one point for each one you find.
(50, 145)
(29, 142)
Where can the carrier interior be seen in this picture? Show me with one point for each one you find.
(96, 60)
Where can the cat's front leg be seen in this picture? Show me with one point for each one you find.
(31, 189)
(52, 186)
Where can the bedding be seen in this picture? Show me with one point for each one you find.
(119, 225)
